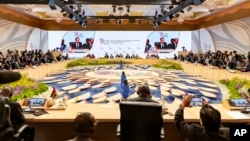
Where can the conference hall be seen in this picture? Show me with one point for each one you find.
(72, 54)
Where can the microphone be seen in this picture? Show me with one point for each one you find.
(9, 76)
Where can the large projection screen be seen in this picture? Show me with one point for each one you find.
(78, 44)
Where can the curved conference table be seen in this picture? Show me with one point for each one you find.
(57, 125)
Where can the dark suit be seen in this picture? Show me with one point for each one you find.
(160, 45)
(87, 46)
(171, 46)
(195, 132)
(74, 45)
(16, 116)
(142, 99)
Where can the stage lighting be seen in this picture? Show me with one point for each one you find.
(84, 24)
(63, 12)
(156, 24)
(128, 8)
(52, 5)
(114, 8)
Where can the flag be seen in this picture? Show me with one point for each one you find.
(54, 94)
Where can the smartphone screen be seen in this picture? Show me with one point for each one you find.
(238, 102)
(196, 101)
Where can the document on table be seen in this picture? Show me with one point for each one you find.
(238, 115)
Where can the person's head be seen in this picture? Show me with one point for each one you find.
(7, 91)
(77, 39)
(125, 82)
(85, 124)
(210, 118)
(162, 40)
(144, 91)
(123, 73)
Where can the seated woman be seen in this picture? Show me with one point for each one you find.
(84, 125)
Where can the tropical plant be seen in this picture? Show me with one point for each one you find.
(165, 64)
(26, 87)
(238, 87)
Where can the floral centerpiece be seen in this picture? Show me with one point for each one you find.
(26, 88)
(238, 87)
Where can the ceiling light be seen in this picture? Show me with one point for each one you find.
(83, 23)
(52, 5)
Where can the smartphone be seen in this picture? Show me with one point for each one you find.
(238, 102)
(196, 101)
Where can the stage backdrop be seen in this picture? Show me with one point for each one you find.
(80, 43)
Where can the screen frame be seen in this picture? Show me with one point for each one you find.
(37, 105)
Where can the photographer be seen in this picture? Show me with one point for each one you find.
(210, 123)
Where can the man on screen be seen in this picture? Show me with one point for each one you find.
(88, 44)
(77, 44)
(210, 123)
(162, 44)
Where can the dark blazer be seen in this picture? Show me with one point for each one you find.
(195, 132)
(86, 46)
(171, 46)
(142, 99)
(73, 45)
(16, 116)
(159, 46)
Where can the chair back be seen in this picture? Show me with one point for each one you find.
(6, 130)
(140, 121)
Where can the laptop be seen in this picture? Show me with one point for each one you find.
(35, 104)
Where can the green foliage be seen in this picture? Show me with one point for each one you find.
(26, 87)
(238, 87)
(168, 65)
(83, 62)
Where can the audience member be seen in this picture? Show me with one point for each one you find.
(125, 90)
(123, 78)
(84, 126)
(121, 65)
(144, 95)
(16, 116)
(210, 120)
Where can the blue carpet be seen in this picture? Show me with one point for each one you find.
(155, 93)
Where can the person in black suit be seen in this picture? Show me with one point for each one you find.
(172, 44)
(87, 45)
(210, 120)
(162, 44)
(144, 95)
(16, 116)
(77, 44)
(84, 126)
